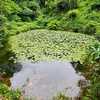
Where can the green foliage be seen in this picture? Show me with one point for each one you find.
(90, 28)
(95, 5)
(93, 16)
(61, 95)
(2, 29)
(41, 20)
(15, 18)
(10, 94)
(15, 8)
(94, 91)
(3, 89)
(54, 24)
(40, 2)
(27, 11)
(63, 5)
(94, 54)
(13, 27)
(72, 26)
(73, 13)
(27, 19)
(33, 6)
(93, 63)
(44, 45)
(30, 10)
(60, 5)
(97, 34)
(5, 8)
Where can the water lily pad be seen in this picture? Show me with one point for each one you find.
(45, 45)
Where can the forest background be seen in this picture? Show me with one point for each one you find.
(67, 15)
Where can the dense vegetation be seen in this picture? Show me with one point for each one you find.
(80, 16)
(69, 15)
(44, 45)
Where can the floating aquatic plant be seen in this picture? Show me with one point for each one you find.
(45, 45)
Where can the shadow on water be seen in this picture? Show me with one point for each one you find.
(82, 83)
(7, 67)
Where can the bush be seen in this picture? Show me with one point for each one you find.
(33, 6)
(20, 24)
(42, 20)
(73, 13)
(63, 5)
(92, 62)
(54, 24)
(72, 26)
(90, 28)
(3, 89)
(26, 19)
(95, 16)
(12, 32)
(97, 34)
(95, 5)
(2, 29)
(27, 11)
(17, 27)
(7, 93)
(15, 18)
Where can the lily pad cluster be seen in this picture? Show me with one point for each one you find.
(46, 45)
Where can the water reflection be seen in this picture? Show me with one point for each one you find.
(82, 83)
(8, 67)
(47, 79)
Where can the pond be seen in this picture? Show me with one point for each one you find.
(43, 80)
(43, 62)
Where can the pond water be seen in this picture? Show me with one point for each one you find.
(43, 80)
(26, 64)
(47, 79)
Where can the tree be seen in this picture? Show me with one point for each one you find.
(4, 9)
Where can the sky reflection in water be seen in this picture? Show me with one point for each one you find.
(47, 79)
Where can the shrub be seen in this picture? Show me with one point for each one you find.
(72, 26)
(26, 19)
(27, 11)
(95, 5)
(93, 16)
(73, 13)
(97, 34)
(12, 32)
(90, 27)
(54, 24)
(19, 23)
(92, 62)
(63, 5)
(7, 93)
(94, 54)
(2, 29)
(42, 20)
(3, 89)
(17, 27)
(61, 95)
(15, 18)
(33, 6)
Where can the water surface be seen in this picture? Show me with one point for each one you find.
(46, 79)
